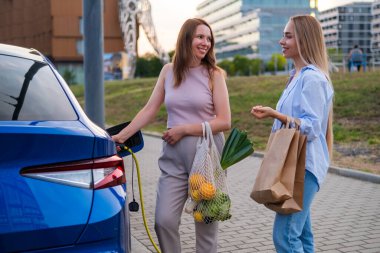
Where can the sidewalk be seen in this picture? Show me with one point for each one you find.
(345, 213)
(138, 247)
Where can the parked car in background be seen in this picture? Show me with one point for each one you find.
(62, 186)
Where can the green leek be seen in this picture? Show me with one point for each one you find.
(236, 148)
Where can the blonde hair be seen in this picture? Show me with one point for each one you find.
(183, 55)
(311, 42)
(312, 50)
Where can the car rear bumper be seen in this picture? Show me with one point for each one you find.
(119, 243)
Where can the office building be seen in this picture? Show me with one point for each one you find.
(375, 31)
(347, 25)
(251, 28)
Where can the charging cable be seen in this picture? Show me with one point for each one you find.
(133, 204)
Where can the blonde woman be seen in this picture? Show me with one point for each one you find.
(308, 96)
(194, 90)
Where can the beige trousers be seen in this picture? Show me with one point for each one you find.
(172, 191)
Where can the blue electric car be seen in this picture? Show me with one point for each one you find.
(62, 185)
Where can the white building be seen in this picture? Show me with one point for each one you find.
(250, 28)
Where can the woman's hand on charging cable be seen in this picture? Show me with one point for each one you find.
(173, 135)
(117, 139)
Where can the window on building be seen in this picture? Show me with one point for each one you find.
(80, 47)
(81, 26)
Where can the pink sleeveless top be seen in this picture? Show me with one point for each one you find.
(191, 102)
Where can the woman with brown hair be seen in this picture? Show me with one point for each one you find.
(194, 90)
(308, 96)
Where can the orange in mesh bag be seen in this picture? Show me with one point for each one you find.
(208, 194)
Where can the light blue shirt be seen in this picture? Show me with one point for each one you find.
(309, 97)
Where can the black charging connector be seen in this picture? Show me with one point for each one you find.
(133, 206)
(134, 144)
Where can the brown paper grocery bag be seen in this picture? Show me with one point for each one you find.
(275, 180)
(294, 204)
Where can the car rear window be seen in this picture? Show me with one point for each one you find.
(30, 91)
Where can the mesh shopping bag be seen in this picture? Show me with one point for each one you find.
(208, 194)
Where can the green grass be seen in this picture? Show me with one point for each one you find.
(356, 105)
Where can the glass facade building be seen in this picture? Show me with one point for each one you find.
(347, 25)
(375, 31)
(251, 28)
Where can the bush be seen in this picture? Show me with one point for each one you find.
(69, 76)
(148, 66)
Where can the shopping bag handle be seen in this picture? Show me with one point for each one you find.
(287, 124)
(297, 123)
(291, 123)
(207, 133)
(203, 130)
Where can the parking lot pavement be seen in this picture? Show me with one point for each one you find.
(345, 213)
(138, 247)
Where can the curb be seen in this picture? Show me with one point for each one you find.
(345, 172)
(361, 175)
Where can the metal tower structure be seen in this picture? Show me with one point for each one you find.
(132, 14)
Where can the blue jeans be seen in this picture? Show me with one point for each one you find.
(292, 233)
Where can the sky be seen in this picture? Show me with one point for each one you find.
(169, 15)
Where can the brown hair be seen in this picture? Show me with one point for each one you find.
(183, 55)
(312, 49)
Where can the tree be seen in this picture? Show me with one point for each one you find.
(155, 65)
(228, 66)
(276, 63)
(142, 66)
(242, 65)
(255, 66)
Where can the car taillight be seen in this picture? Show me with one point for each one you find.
(92, 174)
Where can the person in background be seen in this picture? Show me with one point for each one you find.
(194, 90)
(307, 96)
(355, 58)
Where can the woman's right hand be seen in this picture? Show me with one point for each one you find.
(116, 138)
(262, 112)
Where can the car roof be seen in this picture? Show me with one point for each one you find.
(28, 53)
